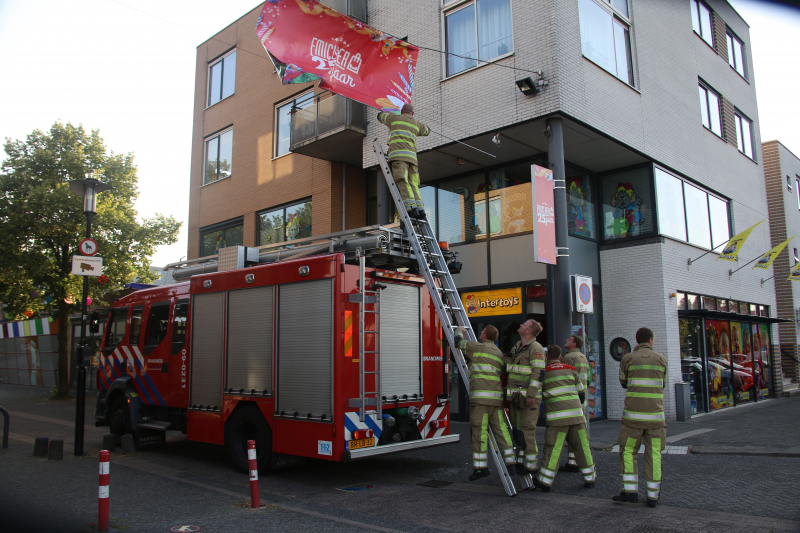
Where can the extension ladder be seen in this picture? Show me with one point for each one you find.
(444, 295)
(368, 297)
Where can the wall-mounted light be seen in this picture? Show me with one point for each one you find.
(496, 139)
(527, 86)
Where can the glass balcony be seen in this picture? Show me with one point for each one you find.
(331, 129)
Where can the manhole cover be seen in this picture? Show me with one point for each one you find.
(359, 488)
(435, 483)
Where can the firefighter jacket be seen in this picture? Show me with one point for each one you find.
(575, 358)
(525, 365)
(403, 133)
(486, 363)
(643, 372)
(560, 388)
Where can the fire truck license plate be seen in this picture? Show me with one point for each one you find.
(361, 443)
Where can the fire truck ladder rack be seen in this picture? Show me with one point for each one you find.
(368, 297)
(444, 295)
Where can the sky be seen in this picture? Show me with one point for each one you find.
(127, 68)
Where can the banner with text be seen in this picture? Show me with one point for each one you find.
(308, 40)
(734, 245)
(544, 232)
(493, 303)
(766, 260)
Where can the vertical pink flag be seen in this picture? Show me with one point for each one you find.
(544, 231)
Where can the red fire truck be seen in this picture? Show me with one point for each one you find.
(313, 351)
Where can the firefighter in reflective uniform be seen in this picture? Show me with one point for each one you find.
(574, 357)
(486, 363)
(525, 365)
(643, 373)
(563, 394)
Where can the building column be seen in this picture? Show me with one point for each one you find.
(562, 293)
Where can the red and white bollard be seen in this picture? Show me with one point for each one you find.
(102, 497)
(251, 459)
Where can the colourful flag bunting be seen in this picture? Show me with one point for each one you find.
(766, 260)
(734, 245)
(308, 40)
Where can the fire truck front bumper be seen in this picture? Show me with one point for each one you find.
(352, 455)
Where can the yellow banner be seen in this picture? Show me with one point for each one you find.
(767, 259)
(794, 274)
(493, 303)
(731, 249)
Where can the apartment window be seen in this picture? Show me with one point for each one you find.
(219, 157)
(222, 235)
(710, 110)
(736, 53)
(789, 183)
(701, 21)
(285, 223)
(744, 135)
(283, 121)
(479, 30)
(605, 36)
(796, 257)
(797, 181)
(688, 213)
(222, 78)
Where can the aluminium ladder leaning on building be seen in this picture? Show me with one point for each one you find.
(447, 301)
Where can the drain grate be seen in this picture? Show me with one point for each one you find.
(649, 529)
(435, 483)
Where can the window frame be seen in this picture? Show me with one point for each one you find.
(206, 140)
(739, 120)
(276, 131)
(730, 37)
(108, 348)
(219, 226)
(148, 348)
(135, 341)
(449, 7)
(622, 20)
(707, 110)
(282, 207)
(695, 4)
(176, 347)
(211, 64)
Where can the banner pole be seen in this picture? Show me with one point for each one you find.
(705, 254)
(465, 144)
(732, 272)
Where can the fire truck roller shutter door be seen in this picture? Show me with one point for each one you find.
(305, 348)
(250, 335)
(401, 338)
(207, 329)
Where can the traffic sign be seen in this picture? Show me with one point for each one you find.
(87, 266)
(88, 247)
(584, 297)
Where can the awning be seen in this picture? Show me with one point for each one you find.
(724, 315)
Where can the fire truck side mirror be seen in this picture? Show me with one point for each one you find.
(94, 322)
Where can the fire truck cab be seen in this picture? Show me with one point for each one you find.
(311, 356)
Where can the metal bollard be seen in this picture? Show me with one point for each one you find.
(102, 496)
(40, 445)
(110, 442)
(56, 450)
(253, 463)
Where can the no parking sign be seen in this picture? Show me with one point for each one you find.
(583, 294)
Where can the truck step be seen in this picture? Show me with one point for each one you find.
(154, 424)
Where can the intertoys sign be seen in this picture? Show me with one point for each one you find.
(493, 303)
(309, 41)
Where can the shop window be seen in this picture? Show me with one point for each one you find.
(681, 301)
(477, 31)
(285, 223)
(136, 325)
(744, 308)
(701, 21)
(693, 301)
(157, 323)
(763, 361)
(709, 304)
(627, 204)
(462, 209)
(212, 238)
(722, 306)
(116, 329)
(580, 207)
(219, 157)
(692, 361)
(222, 78)
(719, 375)
(283, 121)
(536, 298)
(736, 53)
(733, 306)
(510, 209)
(605, 36)
(744, 134)
(179, 325)
(754, 309)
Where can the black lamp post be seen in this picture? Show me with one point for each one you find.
(88, 189)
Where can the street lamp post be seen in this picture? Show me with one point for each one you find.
(87, 189)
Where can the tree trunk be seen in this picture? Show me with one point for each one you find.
(63, 349)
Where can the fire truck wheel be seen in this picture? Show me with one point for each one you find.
(118, 421)
(247, 424)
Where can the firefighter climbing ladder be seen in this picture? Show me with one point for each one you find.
(445, 297)
(368, 297)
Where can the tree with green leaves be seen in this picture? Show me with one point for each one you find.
(43, 223)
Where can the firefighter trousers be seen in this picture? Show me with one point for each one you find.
(406, 175)
(481, 417)
(523, 424)
(571, 452)
(554, 437)
(630, 440)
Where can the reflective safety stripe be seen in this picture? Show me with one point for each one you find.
(562, 398)
(486, 368)
(656, 454)
(630, 477)
(571, 455)
(647, 367)
(537, 363)
(560, 390)
(524, 392)
(644, 394)
(485, 394)
(519, 369)
(480, 456)
(652, 495)
(480, 464)
(653, 485)
(479, 375)
(568, 379)
(481, 355)
(645, 382)
(564, 414)
(534, 383)
(583, 376)
(587, 452)
(587, 470)
(633, 415)
(630, 488)
(627, 454)
(556, 452)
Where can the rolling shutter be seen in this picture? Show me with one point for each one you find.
(400, 340)
(305, 349)
(250, 333)
(207, 331)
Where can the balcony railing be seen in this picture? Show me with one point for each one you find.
(331, 129)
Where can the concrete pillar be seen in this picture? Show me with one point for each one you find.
(561, 282)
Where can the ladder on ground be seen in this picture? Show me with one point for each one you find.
(368, 297)
(448, 305)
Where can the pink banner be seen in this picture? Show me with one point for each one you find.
(544, 232)
(311, 41)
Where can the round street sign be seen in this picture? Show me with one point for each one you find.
(585, 293)
(88, 247)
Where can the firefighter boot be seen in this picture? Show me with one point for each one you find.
(479, 474)
(626, 497)
(539, 485)
(420, 214)
(521, 470)
(413, 213)
(652, 503)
